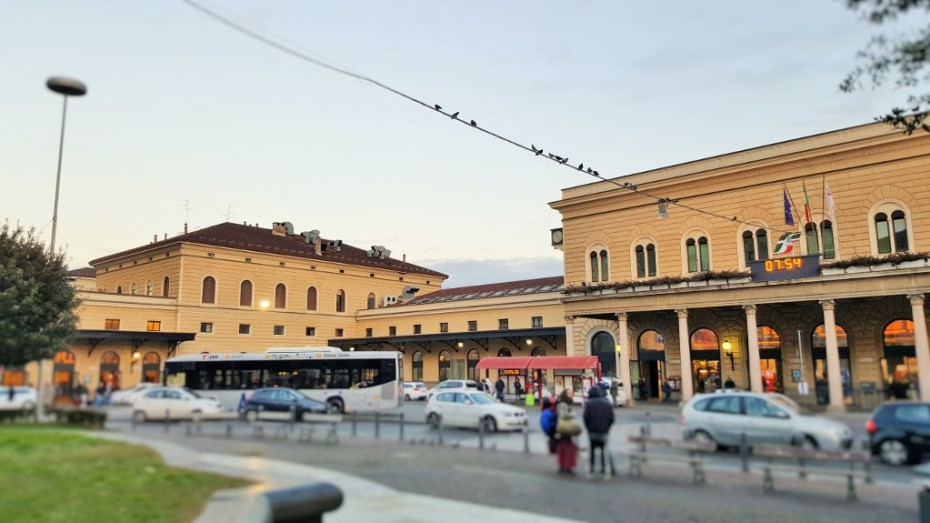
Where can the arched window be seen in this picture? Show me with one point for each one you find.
(646, 260)
(165, 287)
(538, 351)
(605, 266)
(602, 346)
(63, 371)
(132, 289)
(829, 241)
(109, 369)
(595, 275)
(151, 368)
(371, 300)
(417, 366)
(472, 358)
(445, 364)
(755, 245)
(821, 372)
(311, 298)
(651, 346)
(769, 359)
(245, 293)
(504, 353)
(599, 262)
(704, 339)
(810, 234)
(698, 254)
(893, 236)
(119, 289)
(899, 366)
(280, 296)
(208, 291)
(149, 288)
(340, 301)
(63, 358)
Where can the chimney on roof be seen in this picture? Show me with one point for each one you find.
(405, 257)
(154, 238)
(166, 237)
(185, 227)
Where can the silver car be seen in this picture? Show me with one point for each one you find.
(772, 419)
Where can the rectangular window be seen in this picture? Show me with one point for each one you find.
(705, 255)
(884, 236)
(537, 322)
(472, 325)
(418, 329)
(245, 328)
(339, 333)
(369, 332)
(153, 325)
(443, 327)
(899, 224)
(112, 325)
(392, 331)
(692, 257)
(311, 331)
(206, 327)
(651, 259)
(279, 330)
(640, 263)
(502, 324)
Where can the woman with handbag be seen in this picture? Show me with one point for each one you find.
(567, 426)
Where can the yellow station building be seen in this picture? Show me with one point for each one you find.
(689, 275)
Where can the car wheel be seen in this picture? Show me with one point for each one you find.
(702, 436)
(433, 420)
(139, 416)
(335, 406)
(489, 424)
(893, 452)
(251, 416)
(808, 443)
(406, 397)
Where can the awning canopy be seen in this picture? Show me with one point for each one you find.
(539, 362)
(517, 362)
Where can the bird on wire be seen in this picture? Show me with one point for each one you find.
(474, 124)
(455, 115)
(580, 166)
(535, 150)
(438, 107)
(563, 161)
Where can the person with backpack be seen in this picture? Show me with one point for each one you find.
(598, 417)
(547, 422)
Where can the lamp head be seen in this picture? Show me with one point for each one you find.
(66, 86)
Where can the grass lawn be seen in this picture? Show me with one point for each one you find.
(47, 475)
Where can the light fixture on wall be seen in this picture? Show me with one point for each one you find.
(264, 304)
(663, 209)
(136, 356)
(728, 350)
(460, 344)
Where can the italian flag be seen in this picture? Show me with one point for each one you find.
(807, 204)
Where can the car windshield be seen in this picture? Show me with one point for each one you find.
(786, 402)
(482, 398)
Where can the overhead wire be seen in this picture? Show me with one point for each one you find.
(304, 55)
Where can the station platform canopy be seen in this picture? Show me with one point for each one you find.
(539, 363)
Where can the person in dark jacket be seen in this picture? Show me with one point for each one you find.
(547, 422)
(598, 417)
(500, 389)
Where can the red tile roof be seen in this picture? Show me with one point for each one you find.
(491, 290)
(258, 239)
(84, 272)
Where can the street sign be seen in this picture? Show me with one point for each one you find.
(802, 388)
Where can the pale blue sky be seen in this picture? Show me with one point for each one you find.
(182, 108)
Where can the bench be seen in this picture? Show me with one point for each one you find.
(694, 455)
(804, 457)
(307, 429)
(196, 422)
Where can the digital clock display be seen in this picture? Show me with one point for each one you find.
(785, 268)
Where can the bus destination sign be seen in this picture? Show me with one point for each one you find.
(789, 268)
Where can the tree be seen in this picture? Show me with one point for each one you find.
(37, 303)
(904, 57)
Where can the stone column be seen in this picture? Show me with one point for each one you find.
(833, 357)
(569, 335)
(623, 371)
(921, 345)
(684, 343)
(752, 331)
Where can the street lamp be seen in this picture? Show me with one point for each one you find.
(65, 87)
(728, 349)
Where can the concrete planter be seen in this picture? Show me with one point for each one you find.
(679, 285)
(715, 281)
(913, 264)
(744, 279)
(887, 266)
(831, 271)
(856, 269)
(697, 283)
(641, 288)
(659, 287)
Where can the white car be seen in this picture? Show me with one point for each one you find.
(173, 403)
(473, 410)
(130, 395)
(414, 390)
(24, 398)
(764, 418)
(454, 385)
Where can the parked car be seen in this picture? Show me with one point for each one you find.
(24, 398)
(173, 402)
(415, 390)
(129, 396)
(899, 433)
(281, 401)
(764, 418)
(453, 385)
(473, 410)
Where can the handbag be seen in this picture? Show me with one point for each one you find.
(568, 427)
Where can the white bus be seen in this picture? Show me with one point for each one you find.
(347, 381)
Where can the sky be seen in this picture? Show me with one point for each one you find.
(186, 120)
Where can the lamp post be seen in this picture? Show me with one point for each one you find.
(65, 87)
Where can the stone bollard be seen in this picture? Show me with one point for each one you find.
(229, 433)
(744, 451)
(293, 417)
(167, 420)
(439, 430)
(648, 424)
(526, 440)
(354, 424)
(378, 424)
(401, 437)
(481, 436)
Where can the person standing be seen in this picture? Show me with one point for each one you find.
(641, 386)
(729, 384)
(598, 418)
(517, 388)
(547, 422)
(499, 386)
(566, 452)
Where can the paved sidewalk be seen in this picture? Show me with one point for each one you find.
(364, 500)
